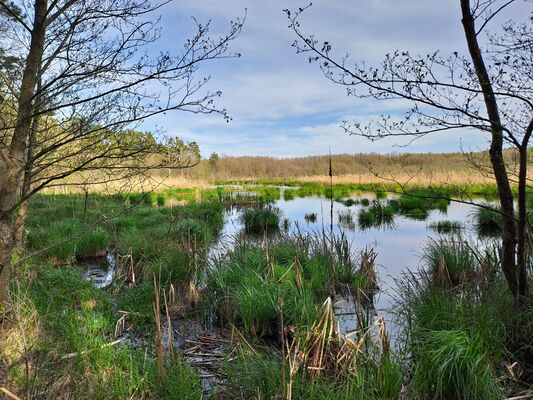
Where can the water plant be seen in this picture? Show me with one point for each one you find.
(310, 218)
(489, 220)
(259, 219)
(446, 226)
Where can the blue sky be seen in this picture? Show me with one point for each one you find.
(281, 105)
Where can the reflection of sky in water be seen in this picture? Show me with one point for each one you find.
(398, 249)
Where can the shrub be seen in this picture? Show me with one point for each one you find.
(161, 199)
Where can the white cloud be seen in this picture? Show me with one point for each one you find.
(283, 106)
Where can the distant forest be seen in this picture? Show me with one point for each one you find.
(220, 168)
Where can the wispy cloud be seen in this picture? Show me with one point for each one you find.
(283, 106)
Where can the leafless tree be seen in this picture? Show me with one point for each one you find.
(74, 75)
(489, 90)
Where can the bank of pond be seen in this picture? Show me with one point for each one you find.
(245, 292)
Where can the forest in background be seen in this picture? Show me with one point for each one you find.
(353, 167)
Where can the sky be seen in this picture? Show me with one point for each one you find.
(283, 106)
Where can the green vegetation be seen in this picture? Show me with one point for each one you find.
(458, 336)
(311, 218)
(446, 226)
(458, 319)
(378, 214)
(489, 220)
(258, 220)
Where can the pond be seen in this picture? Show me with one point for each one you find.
(398, 244)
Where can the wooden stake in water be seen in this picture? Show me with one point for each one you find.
(332, 271)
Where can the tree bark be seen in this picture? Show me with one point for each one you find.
(523, 286)
(15, 158)
(509, 234)
(6, 248)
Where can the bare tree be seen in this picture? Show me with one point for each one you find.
(489, 90)
(73, 76)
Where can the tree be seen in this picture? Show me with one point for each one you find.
(489, 90)
(213, 161)
(74, 75)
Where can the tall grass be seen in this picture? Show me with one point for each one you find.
(453, 365)
(489, 220)
(457, 339)
(259, 219)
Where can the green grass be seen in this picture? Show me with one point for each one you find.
(489, 220)
(457, 339)
(378, 214)
(311, 218)
(259, 374)
(457, 254)
(76, 317)
(161, 198)
(259, 219)
(453, 365)
(446, 226)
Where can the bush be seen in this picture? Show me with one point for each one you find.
(161, 199)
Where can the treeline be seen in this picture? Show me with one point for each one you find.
(223, 168)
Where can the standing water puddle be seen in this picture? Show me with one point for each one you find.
(100, 270)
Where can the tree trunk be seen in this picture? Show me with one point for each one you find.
(6, 248)
(523, 286)
(509, 235)
(16, 157)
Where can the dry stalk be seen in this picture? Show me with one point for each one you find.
(170, 345)
(443, 275)
(368, 262)
(8, 393)
(282, 333)
(316, 347)
(158, 340)
(298, 275)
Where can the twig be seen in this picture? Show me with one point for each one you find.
(13, 396)
(71, 355)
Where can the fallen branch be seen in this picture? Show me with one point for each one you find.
(13, 396)
(71, 355)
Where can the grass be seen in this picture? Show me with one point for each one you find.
(489, 220)
(311, 218)
(458, 333)
(71, 315)
(453, 365)
(446, 226)
(457, 339)
(452, 254)
(378, 214)
(258, 220)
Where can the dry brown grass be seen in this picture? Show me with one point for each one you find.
(139, 184)
(404, 178)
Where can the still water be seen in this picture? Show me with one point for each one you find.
(398, 245)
